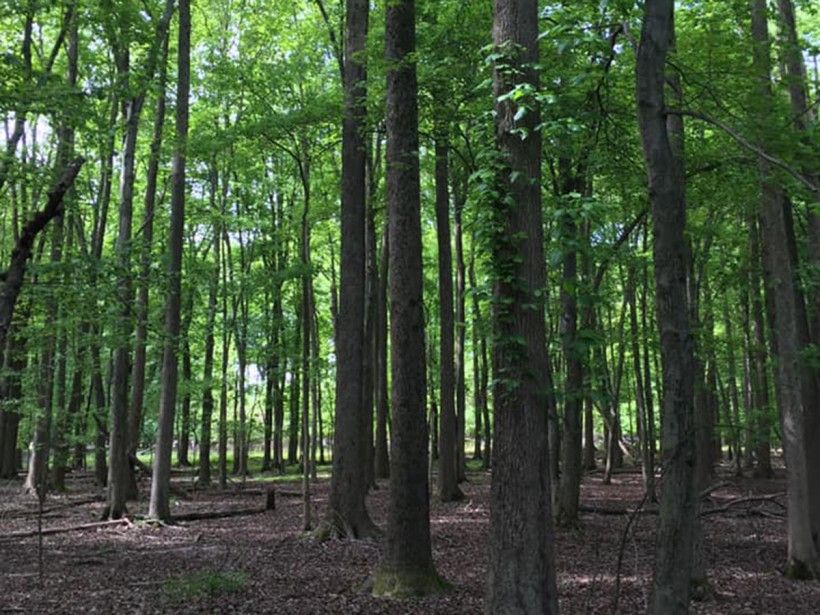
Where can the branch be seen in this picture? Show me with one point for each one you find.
(21, 254)
(63, 530)
(807, 182)
(334, 41)
(621, 240)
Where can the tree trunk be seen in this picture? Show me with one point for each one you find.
(647, 464)
(673, 559)
(804, 115)
(184, 437)
(803, 561)
(307, 317)
(382, 457)
(460, 329)
(204, 471)
(448, 443)
(143, 281)
(346, 513)
(15, 363)
(159, 506)
(479, 393)
(521, 569)
(569, 486)
(407, 567)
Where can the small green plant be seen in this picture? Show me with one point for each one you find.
(199, 585)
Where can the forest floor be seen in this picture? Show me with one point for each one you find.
(262, 563)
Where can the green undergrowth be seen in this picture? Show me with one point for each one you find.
(203, 585)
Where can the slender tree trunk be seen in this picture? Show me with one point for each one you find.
(569, 486)
(119, 471)
(204, 471)
(673, 559)
(477, 333)
(226, 347)
(460, 329)
(159, 506)
(522, 569)
(761, 414)
(647, 465)
(295, 391)
(382, 460)
(307, 317)
(448, 443)
(184, 437)
(731, 385)
(143, 281)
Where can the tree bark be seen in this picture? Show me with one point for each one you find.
(673, 559)
(346, 513)
(804, 115)
(521, 568)
(448, 442)
(382, 460)
(159, 505)
(204, 471)
(407, 564)
(569, 486)
(802, 559)
(143, 281)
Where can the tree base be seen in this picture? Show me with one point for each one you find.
(333, 527)
(801, 571)
(455, 495)
(401, 584)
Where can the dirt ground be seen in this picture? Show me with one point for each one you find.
(261, 563)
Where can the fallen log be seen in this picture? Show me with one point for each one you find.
(64, 530)
(224, 514)
(772, 497)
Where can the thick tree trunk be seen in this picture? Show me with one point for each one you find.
(346, 513)
(803, 561)
(522, 569)
(159, 505)
(673, 559)
(407, 564)
(804, 115)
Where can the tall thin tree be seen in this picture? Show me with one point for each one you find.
(159, 506)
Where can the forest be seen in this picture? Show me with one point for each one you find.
(410, 306)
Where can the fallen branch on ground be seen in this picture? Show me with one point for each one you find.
(772, 497)
(199, 516)
(63, 530)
